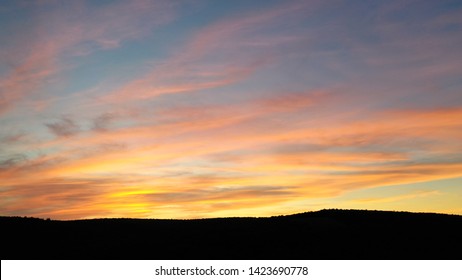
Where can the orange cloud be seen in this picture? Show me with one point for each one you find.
(169, 143)
(398, 197)
(307, 163)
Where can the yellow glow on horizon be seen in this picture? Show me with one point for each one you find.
(254, 113)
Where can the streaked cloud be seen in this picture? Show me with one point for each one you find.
(218, 55)
(400, 197)
(186, 109)
(73, 29)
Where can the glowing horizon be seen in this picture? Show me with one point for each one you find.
(190, 109)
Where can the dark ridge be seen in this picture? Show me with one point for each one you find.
(326, 234)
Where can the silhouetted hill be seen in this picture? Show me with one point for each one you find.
(325, 234)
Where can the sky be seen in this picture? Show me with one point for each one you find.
(197, 109)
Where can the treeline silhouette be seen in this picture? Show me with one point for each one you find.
(326, 234)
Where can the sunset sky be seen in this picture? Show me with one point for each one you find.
(193, 109)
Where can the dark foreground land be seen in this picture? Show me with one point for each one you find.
(326, 234)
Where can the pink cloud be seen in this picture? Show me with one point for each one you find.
(72, 30)
(220, 54)
(202, 127)
(249, 158)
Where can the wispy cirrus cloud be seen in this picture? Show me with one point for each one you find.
(59, 198)
(69, 30)
(221, 54)
(256, 108)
